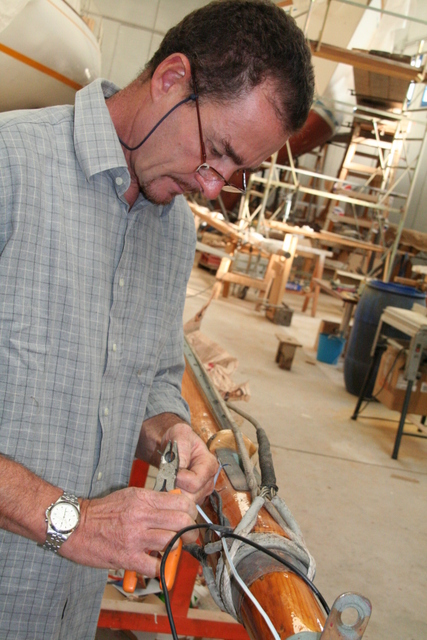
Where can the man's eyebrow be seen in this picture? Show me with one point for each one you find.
(229, 151)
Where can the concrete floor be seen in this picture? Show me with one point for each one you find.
(363, 514)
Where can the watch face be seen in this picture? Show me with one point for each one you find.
(64, 517)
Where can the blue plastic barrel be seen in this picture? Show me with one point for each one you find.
(330, 348)
(376, 296)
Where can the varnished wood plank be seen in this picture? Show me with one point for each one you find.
(366, 61)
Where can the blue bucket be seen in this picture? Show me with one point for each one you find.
(329, 348)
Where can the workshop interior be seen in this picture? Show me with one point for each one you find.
(305, 333)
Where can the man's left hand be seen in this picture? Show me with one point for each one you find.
(197, 465)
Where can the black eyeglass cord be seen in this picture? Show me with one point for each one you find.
(192, 96)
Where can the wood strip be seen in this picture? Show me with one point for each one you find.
(366, 61)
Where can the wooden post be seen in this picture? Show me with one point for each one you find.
(286, 350)
(283, 270)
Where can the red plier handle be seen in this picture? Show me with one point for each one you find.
(165, 481)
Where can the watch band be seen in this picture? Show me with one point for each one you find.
(54, 539)
(53, 542)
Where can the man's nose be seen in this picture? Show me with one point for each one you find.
(211, 188)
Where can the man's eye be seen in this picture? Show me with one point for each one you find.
(216, 153)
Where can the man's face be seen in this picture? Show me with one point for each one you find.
(238, 134)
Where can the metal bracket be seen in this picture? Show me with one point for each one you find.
(335, 628)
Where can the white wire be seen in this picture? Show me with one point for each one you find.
(240, 581)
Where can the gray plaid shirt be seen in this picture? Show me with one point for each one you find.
(91, 302)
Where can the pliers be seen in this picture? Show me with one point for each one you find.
(165, 481)
(168, 469)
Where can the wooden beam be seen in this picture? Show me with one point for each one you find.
(366, 61)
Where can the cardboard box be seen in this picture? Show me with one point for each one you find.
(329, 327)
(280, 315)
(390, 385)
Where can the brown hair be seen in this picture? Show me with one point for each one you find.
(235, 45)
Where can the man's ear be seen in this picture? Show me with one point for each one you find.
(173, 73)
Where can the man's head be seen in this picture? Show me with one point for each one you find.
(250, 66)
(234, 46)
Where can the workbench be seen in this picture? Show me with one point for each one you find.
(349, 299)
(413, 323)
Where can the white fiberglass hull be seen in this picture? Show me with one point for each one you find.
(47, 53)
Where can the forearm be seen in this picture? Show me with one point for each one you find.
(150, 437)
(116, 531)
(24, 498)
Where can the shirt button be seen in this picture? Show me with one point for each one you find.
(119, 181)
(121, 282)
(114, 347)
(106, 411)
(99, 475)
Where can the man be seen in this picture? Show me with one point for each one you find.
(96, 247)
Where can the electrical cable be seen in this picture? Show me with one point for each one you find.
(268, 476)
(386, 378)
(248, 593)
(163, 577)
(287, 564)
(226, 533)
(240, 581)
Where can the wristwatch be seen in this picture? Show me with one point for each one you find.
(62, 517)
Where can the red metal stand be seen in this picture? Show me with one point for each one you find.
(138, 616)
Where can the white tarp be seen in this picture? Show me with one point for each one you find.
(8, 10)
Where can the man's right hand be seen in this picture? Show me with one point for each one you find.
(120, 530)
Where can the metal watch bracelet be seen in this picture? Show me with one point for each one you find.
(54, 540)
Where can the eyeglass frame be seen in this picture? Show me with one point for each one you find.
(204, 165)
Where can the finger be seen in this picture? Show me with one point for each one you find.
(144, 564)
(195, 483)
(150, 567)
(166, 537)
(180, 504)
(161, 503)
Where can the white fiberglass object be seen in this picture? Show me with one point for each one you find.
(47, 53)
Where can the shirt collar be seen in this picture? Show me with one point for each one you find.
(95, 139)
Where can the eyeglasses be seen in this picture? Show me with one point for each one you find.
(239, 179)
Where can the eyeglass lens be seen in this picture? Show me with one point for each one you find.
(236, 184)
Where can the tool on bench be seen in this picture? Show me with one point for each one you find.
(165, 481)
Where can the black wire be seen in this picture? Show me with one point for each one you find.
(268, 475)
(193, 96)
(162, 572)
(226, 533)
(287, 564)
